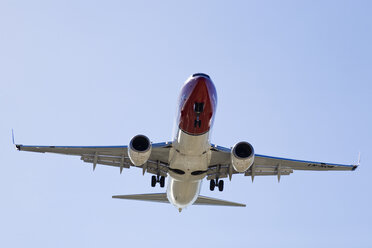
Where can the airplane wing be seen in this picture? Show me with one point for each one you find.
(220, 165)
(116, 156)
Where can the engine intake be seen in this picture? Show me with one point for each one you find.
(242, 156)
(139, 150)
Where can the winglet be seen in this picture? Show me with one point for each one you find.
(13, 136)
(17, 146)
(357, 164)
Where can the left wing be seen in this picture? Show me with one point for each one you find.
(111, 155)
(266, 165)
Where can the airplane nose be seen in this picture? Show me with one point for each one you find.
(201, 88)
(198, 104)
(201, 75)
(202, 85)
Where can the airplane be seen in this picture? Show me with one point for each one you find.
(189, 157)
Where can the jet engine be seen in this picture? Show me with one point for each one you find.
(139, 149)
(242, 156)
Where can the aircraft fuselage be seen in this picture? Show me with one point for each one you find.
(190, 154)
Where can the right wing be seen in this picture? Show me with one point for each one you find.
(263, 165)
(116, 156)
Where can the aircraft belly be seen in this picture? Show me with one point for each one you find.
(188, 164)
(191, 144)
(189, 153)
(183, 193)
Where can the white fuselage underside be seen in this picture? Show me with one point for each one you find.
(189, 153)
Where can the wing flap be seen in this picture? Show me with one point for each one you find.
(263, 160)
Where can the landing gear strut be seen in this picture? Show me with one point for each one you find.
(157, 179)
(216, 183)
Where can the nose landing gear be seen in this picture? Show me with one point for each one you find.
(216, 183)
(158, 179)
(198, 109)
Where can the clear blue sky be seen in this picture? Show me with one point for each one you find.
(293, 78)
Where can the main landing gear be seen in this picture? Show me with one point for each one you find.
(216, 183)
(157, 179)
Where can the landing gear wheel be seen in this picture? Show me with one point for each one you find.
(212, 184)
(220, 185)
(153, 181)
(162, 182)
(197, 123)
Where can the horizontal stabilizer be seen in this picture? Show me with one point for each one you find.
(159, 197)
(203, 200)
(162, 197)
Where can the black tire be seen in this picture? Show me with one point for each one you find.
(212, 184)
(162, 182)
(220, 185)
(153, 181)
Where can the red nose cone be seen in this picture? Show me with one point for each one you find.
(197, 105)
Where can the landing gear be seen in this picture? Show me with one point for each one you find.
(157, 179)
(220, 185)
(162, 182)
(216, 183)
(197, 123)
(212, 185)
(153, 181)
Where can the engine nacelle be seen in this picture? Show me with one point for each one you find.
(139, 149)
(242, 156)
